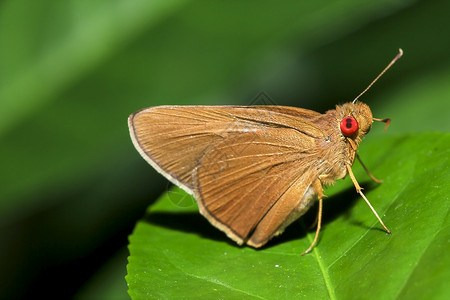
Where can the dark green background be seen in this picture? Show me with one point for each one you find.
(71, 184)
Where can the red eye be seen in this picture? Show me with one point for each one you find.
(349, 126)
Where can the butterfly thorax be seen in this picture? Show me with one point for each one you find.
(337, 150)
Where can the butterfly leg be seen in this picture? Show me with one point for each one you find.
(367, 171)
(317, 186)
(359, 191)
(316, 220)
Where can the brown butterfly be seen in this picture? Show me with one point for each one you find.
(254, 169)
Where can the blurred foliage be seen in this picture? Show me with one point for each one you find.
(176, 253)
(73, 186)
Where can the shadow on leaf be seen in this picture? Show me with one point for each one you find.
(189, 222)
(334, 207)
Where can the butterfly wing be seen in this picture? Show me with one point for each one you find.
(173, 139)
(253, 185)
(250, 168)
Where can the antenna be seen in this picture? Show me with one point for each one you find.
(397, 57)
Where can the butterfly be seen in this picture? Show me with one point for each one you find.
(254, 169)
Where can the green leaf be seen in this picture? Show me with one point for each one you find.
(72, 71)
(176, 253)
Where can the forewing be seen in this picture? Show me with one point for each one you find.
(174, 139)
(253, 182)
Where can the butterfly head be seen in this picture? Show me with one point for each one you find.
(355, 119)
